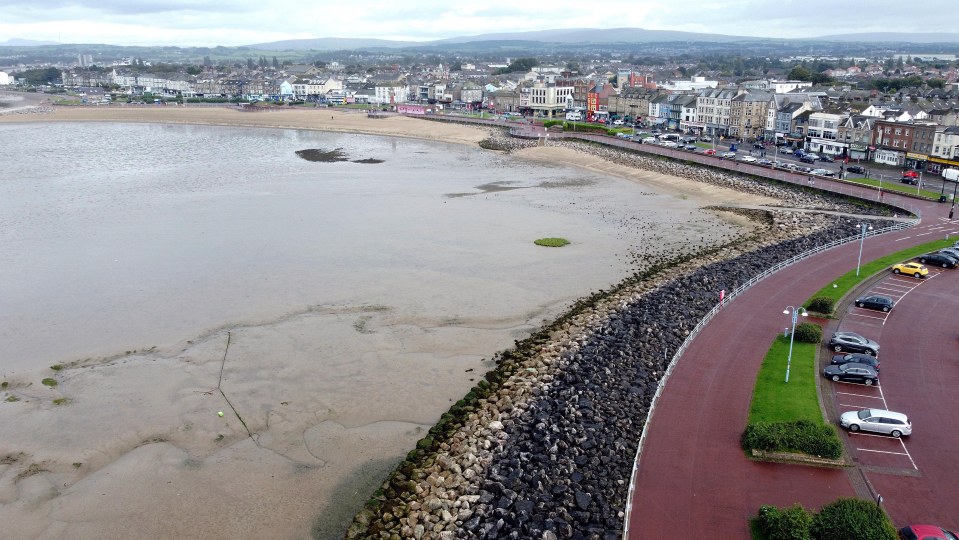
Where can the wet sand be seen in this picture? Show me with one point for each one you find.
(135, 448)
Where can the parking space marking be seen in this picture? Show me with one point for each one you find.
(857, 395)
(867, 316)
(882, 452)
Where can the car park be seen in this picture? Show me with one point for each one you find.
(938, 259)
(858, 169)
(851, 372)
(853, 342)
(910, 269)
(878, 421)
(857, 358)
(875, 301)
(926, 532)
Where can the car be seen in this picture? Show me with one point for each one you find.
(852, 372)
(853, 342)
(877, 420)
(728, 155)
(669, 144)
(705, 139)
(747, 159)
(858, 358)
(710, 151)
(649, 140)
(765, 162)
(858, 169)
(623, 136)
(821, 172)
(691, 147)
(618, 122)
(827, 159)
(944, 260)
(799, 152)
(926, 532)
(758, 146)
(802, 169)
(807, 158)
(951, 252)
(875, 301)
(911, 180)
(910, 269)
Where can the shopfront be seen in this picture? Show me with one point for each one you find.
(889, 157)
(916, 161)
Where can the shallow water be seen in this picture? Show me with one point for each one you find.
(126, 237)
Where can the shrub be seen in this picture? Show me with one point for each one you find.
(821, 304)
(808, 333)
(49, 382)
(550, 123)
(799, 436)
(853, 519)
(787, 524)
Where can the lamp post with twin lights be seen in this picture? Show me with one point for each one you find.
(796, 312)
(863, 227)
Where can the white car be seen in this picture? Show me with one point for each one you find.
(747, 159)
(877, 420)
(728, 155)
(618, 122)
(669, 144)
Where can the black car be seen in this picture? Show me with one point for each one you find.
(938, 259)
(852, 372)
(827, 159)
(911, 180)
(856, 358)
(758, 146)
(807, 159)
(876, 301)
(858, 169)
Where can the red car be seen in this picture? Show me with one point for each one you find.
(910, 174)
(710, 151)
(925, 532)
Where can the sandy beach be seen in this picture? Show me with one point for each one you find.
(133, 451)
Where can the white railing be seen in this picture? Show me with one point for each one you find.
(705, 320)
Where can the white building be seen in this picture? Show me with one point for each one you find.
(546, 98)
(694, 83)
(776, 87)
(392, 93)
(823, 133)
(5, 79)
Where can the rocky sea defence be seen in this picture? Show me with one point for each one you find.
(544, 446)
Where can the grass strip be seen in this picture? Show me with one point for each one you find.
(849, 281)
(894, 186)
(775, 400)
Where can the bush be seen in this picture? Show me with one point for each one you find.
(799, 436)
(852, 519)
(551, 242)
(821, 304)
(787, 524)
(808, 333)
(550, 123)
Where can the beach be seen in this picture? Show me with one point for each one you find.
(136, 447)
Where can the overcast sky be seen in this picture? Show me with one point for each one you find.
(242, 22)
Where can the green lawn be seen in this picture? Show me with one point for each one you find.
(775, 400)
(850, 280)
(894, 185)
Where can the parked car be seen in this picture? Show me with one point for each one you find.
(747, 159)
(852, 372)
(618, 122)
(669, 144)
(853, 342)
(710, 151)
(938, 259)
(808, 158)
(910, 269)
(926, 532)
(799, 152)
(802, 169)
(877, 420)
(691, 147)
(765, 162)
(951, 252)
(758, 146)
(911, 180)
(821, 172)
(857, 358)
(858, 169)
(649, 140)
(728, 155)
(705, 138)
(875, 301)
(827, 159)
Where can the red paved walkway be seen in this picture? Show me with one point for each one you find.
(692, 472)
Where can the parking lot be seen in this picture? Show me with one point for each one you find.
(919, 359)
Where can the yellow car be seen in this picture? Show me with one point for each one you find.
(910, 269)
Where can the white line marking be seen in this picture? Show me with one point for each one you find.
(857, 395)
(883, 452)
(923, 234)
(904, 449)
(901, 239)
(868, 316)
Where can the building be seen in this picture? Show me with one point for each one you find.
(693, 84)
(892, 140)
(632, 103)
(776, 87)
(923, 140)
(855, 132)
(822, 134)
(5, 79)
(747, 115)
(712, 109)
(391, 93)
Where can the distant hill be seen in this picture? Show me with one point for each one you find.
(331, 44)
(17, 42)
(895, 37)
(568, 36)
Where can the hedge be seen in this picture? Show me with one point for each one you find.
(852, 519)
(821, 304)
(799, 436)
(808, 333)
(787, 524)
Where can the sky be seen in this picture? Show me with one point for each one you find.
(243, 22)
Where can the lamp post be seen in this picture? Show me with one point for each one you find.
(863, 227)
(796, 312)
(953, 207)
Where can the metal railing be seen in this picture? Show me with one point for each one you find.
(708, 317)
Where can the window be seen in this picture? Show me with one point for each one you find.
(898, 131)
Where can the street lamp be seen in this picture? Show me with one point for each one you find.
(954, 186)
(796, 312)
(863, 227)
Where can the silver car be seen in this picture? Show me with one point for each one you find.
(877, 420)
(853, 342)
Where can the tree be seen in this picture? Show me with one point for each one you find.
(249, 63)
(194, 70)
(520, 64)
(936, 83)
(800, 73)
(276, 63)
